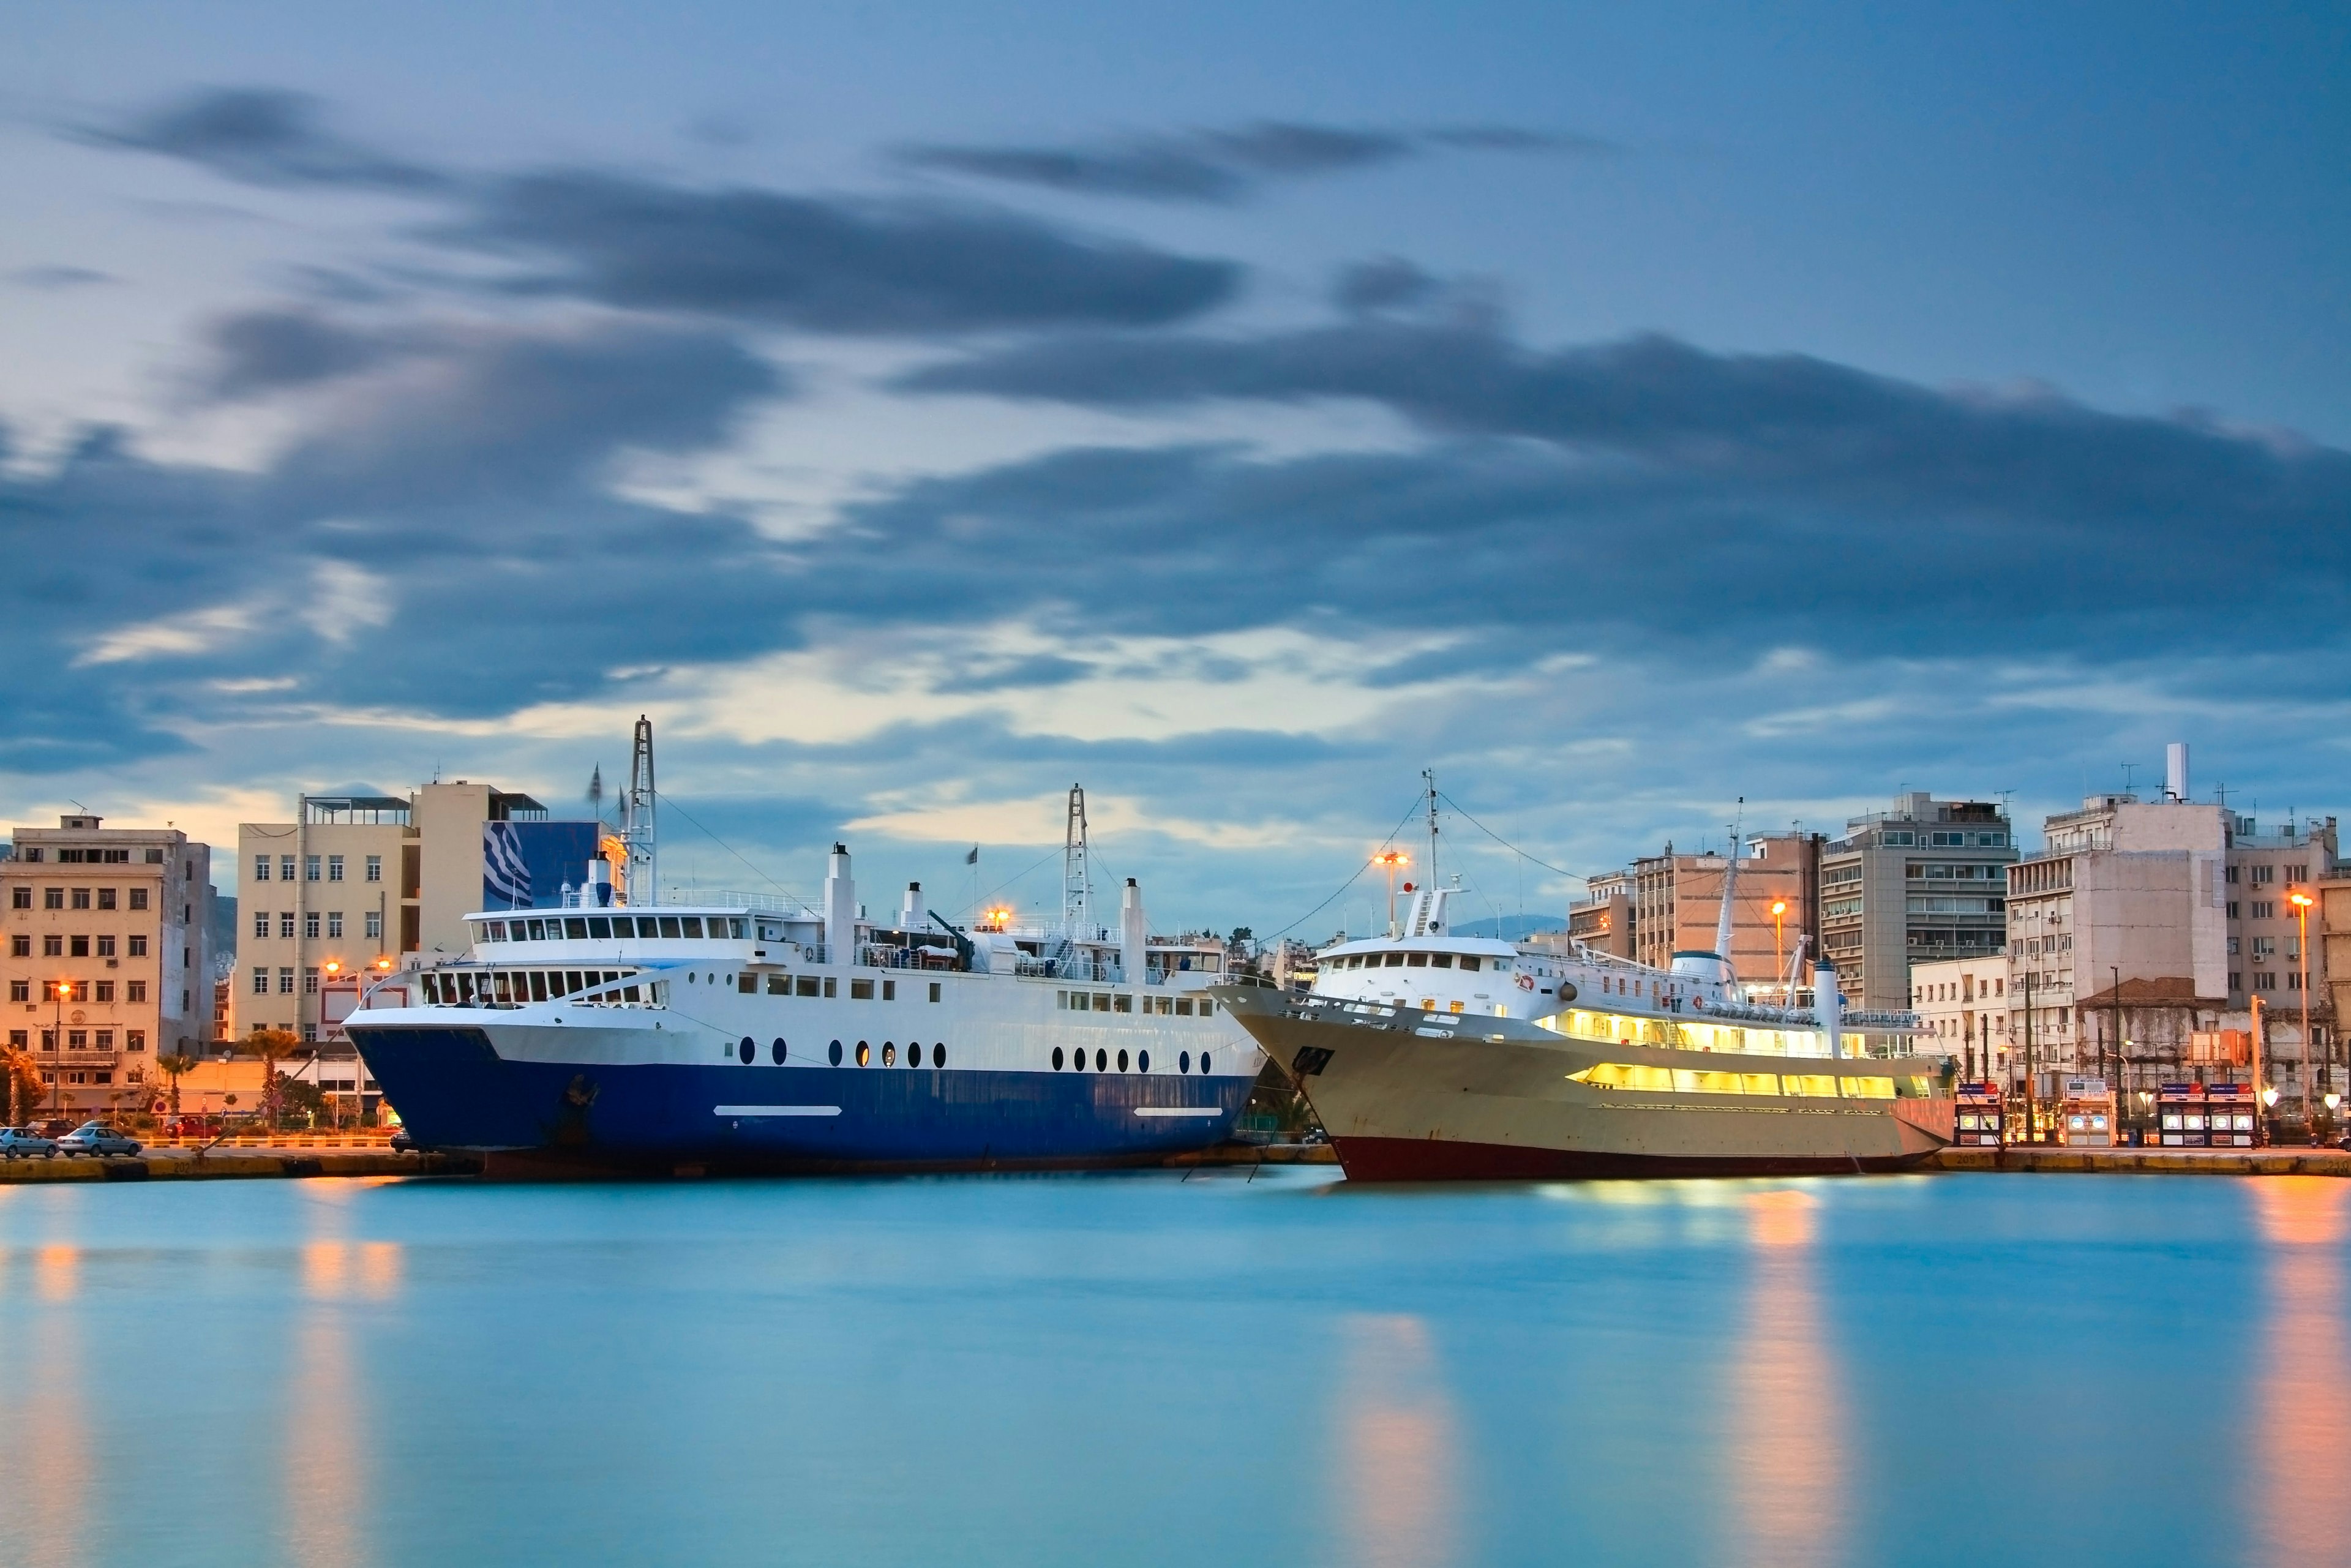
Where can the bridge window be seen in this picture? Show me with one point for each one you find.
(1417, 960)
(1396, 961)
(1440, 960)
(779, 984)
(861, 990)
(692, 923)
(1470, 961)
(747, 985)
(1184, 1007)
(806, 986)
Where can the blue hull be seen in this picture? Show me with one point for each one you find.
(452, 1091)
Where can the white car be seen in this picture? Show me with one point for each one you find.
(96, 1138)
(24, 1143)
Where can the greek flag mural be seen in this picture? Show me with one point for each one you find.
(525, 865)
(506, 875)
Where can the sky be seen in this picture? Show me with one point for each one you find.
(1644, 418)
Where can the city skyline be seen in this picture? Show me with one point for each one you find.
(1623, 428)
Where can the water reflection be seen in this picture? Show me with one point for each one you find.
(2302, 1402)
(1398, 1490)
(46, 1469)
(1787, 1465)
(325, 1465)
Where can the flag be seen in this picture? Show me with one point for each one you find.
(506, 875)
(973, 858)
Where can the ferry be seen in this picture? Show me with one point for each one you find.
(736, 1032)
(1433, 1057)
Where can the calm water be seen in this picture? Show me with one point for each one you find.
(1137, 1369)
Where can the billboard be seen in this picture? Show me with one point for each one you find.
(525, 865)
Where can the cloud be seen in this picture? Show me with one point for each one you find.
(825, 264)
(264, 136)
(52, 279)
(256, 353)
(1223, 165)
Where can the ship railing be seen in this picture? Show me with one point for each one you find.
(737, 898)
(887, 955)
(816, 953)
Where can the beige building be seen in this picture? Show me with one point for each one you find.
(1602, 919)
(1963, 1005)
(2142, 933)
(350, 886)
(106, 964)
(1673, 903)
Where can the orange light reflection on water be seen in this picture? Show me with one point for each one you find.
(1787, 1460)
(1399, 1491)
(2302, 1403)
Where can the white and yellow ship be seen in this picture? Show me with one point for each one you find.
(1430, 1057)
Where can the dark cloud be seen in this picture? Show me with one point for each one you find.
(1012, 675)
(827, 265)
(261, 352)
(1219, 165)
(1387, 283)
(264, 136)
(52, 279)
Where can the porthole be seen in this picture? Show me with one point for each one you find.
(938, 1053)
(889, 1053)
(1057, 1058)
(689, 977)
(835, 1053)
(1183, 1062)
(1102, 1061)
(864, 1054)
(1204, 1062)
(1121, 1061)
(749, 1050)
(778, 1051)
(1143, 1061)
(913, 1053)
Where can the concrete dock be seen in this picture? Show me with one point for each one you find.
(2286, 1161)
(231, 1163)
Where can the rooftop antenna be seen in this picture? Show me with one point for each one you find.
(1077, 881)
(643, 875)
(2128, 768)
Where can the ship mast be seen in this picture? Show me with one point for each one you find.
(637, 819)
(1729, 888)
(1429, 778)
(1077, 881)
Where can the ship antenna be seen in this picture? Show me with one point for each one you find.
(1428, 777)
(643, 874)
(1077, 881)
(1729, 886)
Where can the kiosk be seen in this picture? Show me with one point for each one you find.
(1981, 1116)
(2180, 1113)
(2233, 1115)
(2088, 1117)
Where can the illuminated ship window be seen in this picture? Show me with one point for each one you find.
(864, 1054)
(889, 1054)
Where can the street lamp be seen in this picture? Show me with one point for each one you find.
(2301, 901)
(1392, 859)
(57, 1040)
(1779, 949)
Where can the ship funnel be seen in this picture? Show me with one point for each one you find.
(1828, 1002)
(2175, 771)
(839, 907)
(910, 913)
(1133, 932)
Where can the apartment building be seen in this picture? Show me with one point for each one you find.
(1672, 903)
(107, 967)
(358, 879)
(1602, 919)
(1917, 884)
(1963, 1005)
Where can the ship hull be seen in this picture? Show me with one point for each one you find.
(581, 1097)
(1411, 1095)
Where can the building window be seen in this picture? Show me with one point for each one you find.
(105, 1040)
(285, 926)
(285, 868)
(20, 991)
(310, 1034)
(134, 991)
(2232, 909)
(20, 946)
(20, 898)
(106, 947)
(2263, 875)
(53, 898)
(375, 923)
(260, 982)
(134, 1040)
(375, 867)
(260, 924)
(138, 898)
(77, 1040)
(334, 868)
(104, 991)
(78, 946)
(81, 898)
(286, 981)
(33, 855)
(310, 924)
(309, 982)
(105, 898)
(261, 868)
(334, 923)
(2236, 980)
(53, 946)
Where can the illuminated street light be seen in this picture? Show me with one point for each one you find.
(1392, 859)
(1779, 949)
(2301, 901)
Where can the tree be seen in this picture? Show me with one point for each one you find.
(269, 1045)
(174, 1067)
(25, 1085)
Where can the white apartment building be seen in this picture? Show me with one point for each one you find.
(107, 967)
(1963, 1003)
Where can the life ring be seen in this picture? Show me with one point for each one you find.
(1526, 982)
(1697, 1004)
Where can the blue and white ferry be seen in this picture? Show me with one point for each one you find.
(736, 1033)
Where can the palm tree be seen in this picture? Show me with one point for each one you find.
(24, 1079)
(269, 1044)
(174, 1067)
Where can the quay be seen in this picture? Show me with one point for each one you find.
(2272, 1161)
(285, 1160)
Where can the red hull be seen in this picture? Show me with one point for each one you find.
(1432, 1159)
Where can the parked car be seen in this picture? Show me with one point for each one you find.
(24, 1143)
(55, 1127)
(96, 1138)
